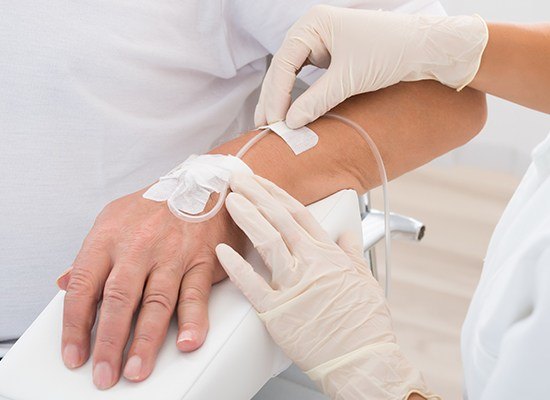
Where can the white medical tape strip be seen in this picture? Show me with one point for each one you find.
(299, 140)
(189, 186)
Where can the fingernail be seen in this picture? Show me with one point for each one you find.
(103, 375)
(132, 369)
(71, 356)
(186, 336)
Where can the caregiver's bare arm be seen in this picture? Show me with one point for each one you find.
(516, 64)
(411, 123)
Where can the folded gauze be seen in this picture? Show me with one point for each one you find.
(188, 186)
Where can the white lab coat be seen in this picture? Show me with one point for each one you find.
(506, 335)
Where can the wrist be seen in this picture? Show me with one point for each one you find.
(377, 371)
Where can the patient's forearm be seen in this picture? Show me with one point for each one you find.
(411, 123)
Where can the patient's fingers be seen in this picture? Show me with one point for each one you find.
(298, 211)
(90, 270)
(121, 297)
(157, 306)
(192, 307)
(241, 273)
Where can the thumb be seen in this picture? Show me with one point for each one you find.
(241, 273)
(325, 93)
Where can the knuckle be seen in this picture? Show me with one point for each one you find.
(193, 294)
(106, 341)
(101, 233)
(82, 281)
(143, 238)
(144, 338)
(158, 299)
(118, 296)
(72, 324)
(294, 235)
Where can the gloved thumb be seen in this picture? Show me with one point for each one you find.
(325, 94)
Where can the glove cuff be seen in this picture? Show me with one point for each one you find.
(378, 371)
(446, 49)
(479, 50)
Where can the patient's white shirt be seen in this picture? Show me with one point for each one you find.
(506, 335)
(100, 98)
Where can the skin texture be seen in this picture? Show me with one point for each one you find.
(139, 258)
(515, 64)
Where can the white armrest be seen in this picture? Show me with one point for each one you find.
(236, 360)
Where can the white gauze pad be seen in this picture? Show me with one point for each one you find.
(189, 186)
(299, 140)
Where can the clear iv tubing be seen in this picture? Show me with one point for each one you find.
(384, 178)
(222, 195)
(381, 169)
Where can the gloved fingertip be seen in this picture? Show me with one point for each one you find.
(230, 200)
(259, 116)
(226, 255)
(235, 203)
(230, 260)
(296, 119)
(222, 249)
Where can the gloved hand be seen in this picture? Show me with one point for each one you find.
(365, 51)
(322, 306)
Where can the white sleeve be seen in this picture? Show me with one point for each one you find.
(523, 365)
(257, 28)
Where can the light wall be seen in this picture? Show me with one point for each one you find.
(512, 131)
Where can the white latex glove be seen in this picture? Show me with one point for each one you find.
(365, 51)
(322, 306)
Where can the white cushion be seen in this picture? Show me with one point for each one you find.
(236, 360)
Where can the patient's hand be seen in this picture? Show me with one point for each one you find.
(140, 258)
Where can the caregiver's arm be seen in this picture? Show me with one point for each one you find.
(516, 64)
(510, 61)
(411, 123)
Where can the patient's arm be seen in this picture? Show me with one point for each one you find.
(139, 258)
(411, 123)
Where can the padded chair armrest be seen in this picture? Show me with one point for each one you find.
(236, 360)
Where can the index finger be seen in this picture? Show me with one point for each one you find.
(275, 96)
(272, 210)
(263, 235)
